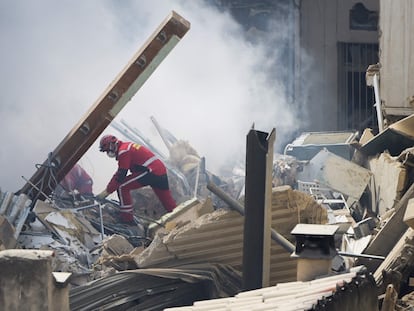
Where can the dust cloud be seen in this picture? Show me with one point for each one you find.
(57, 57)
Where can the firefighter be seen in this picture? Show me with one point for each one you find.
(77, 181)
(144, 169)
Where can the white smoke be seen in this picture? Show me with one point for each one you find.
(58, 58)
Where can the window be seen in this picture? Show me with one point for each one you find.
(356, 100)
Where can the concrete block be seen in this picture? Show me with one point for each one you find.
(409, 213)
(364, 227)
(27, 282)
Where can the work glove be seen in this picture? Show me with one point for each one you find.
(102, 195)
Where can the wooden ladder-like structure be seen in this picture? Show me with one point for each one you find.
(105, 109)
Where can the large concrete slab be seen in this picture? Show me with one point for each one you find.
(336, 173)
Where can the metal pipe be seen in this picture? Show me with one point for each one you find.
(361, 256)
(197, 178)
(162, 134)
(37, 188)
(102, 225)
(47, 199)
(235, 205)
(377, 104)
(100, 207)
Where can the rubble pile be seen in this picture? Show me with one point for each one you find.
(369, 198)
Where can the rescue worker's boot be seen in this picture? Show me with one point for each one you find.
(126, 214)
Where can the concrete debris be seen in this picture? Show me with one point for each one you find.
(372, 70)
(117, 253)
(397, 267)
(68, 234)
(364, 228)
(390, 231)
(390, 180)
(184, 157)
(28, 281)
(183, 214)
(407, 157)
(357, 188)
(396, 138)
(218, 236)
(7, 240)
(14, 210)
(336, 173)
(345, 200)
(409, 213)
(285, 170)
(308, 144)
(90, 244)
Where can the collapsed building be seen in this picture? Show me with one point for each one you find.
(327, 225)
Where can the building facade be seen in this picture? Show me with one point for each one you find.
(327, 46)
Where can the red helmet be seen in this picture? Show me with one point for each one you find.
(108, 143)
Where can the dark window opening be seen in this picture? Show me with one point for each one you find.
(356, 100)
(360, 18)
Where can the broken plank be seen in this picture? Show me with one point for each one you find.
(390, 234)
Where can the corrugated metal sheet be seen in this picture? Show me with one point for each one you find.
(218, 237)
(155, 289)
(355, 290)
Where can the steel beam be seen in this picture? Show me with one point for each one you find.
(105, 109)
(257, 229)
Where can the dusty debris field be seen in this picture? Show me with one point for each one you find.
(365, 194)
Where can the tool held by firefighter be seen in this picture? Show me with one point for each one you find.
(137, 167)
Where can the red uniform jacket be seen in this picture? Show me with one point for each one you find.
(77, 179)
(137, 159)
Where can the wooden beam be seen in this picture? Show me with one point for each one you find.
(105, 109)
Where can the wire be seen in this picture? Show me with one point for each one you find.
(47, 178)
